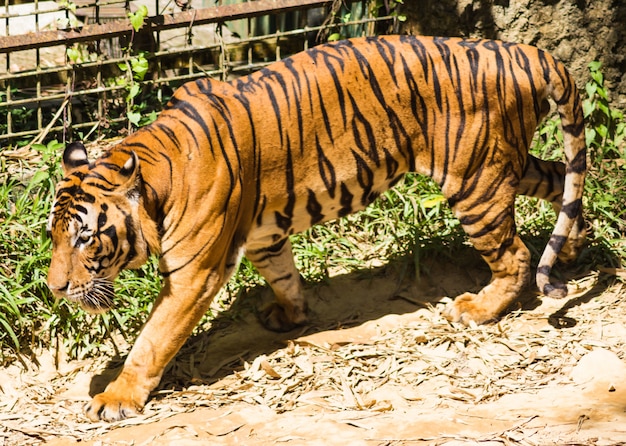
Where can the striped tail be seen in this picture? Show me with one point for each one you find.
(562, 89)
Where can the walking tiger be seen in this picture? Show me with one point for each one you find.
(234, 168)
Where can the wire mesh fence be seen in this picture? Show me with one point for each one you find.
(83, 68)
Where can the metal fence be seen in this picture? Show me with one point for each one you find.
(79, 69)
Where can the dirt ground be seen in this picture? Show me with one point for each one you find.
(378, 365)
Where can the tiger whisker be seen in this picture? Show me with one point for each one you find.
(101, 295)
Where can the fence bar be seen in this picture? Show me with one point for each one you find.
(54, 90)
(162, 22)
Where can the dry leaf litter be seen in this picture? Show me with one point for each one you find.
(435, 363)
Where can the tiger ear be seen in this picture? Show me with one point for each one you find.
(74, 156)
(129, 175)
(130, 166)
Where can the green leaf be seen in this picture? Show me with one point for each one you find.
(136, 21)
(134, 118)
(334, 37)
(140, 66)
(617, 115)
(604, 108)
(137, 18)
(602, 130)
(10, 332)
(433, 201)
(40, 176)
(597, 77)
(73, 54)
(588, 108)
(133, 92)
(54, 145)
(152, 116)
(595, 65)
(590, 136)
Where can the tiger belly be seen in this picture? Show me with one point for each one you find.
(314, 208)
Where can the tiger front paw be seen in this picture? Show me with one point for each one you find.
(276, 318)
(113, 406)
(123, 398)
(468, 308)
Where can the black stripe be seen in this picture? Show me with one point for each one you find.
(284, 220)
(81, 209)
(328, 60)
(441, 43)
(191, 112)
(260, 208)
(497, 253)
(258, 200)
(556, 242)
(387, 52)
(572, 209)
(367, 146)
(556, 290)
(365, 177)
(473, 57)
(297, 95)
(314, 208)
(487, 226)
(419, 111)
(170, 134)
(102, 218)
(523, 61)
(277, 112)
(326, 168)
(282, 278)
(325, 116)
(266, 253)
(544, 269)
(345, 200)
(391, 163)
(578, 164)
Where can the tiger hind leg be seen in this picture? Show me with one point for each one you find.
(491, 228)
(545, 180)
(275, 263)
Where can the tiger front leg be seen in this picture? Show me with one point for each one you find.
(492, 231)
(177, 310)
(275, 263)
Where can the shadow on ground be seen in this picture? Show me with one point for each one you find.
(343, 301)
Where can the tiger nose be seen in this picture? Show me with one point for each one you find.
(59, 290)
(58, 275)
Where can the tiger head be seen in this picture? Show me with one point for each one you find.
(96, 226)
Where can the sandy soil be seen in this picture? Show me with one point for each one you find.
(378, 365)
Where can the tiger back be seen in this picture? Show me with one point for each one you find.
(234, 168)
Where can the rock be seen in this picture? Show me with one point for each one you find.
(577, 32)
(600, 367)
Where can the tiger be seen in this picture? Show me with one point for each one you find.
(234, 168)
